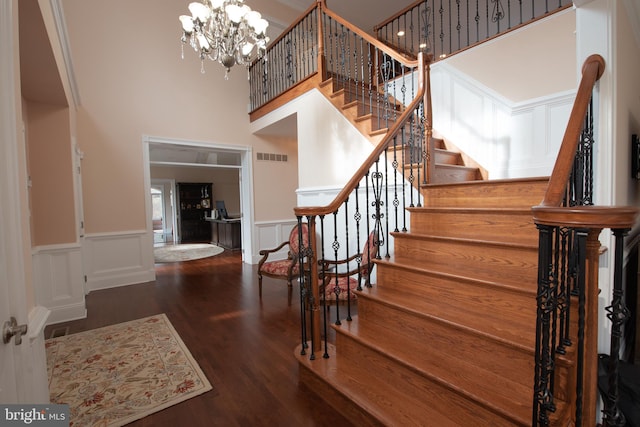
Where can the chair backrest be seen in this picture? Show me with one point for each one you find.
(294, 239)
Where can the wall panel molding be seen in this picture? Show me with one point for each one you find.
(118, 259)
(59, 282)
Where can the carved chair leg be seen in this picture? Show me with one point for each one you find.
(260, 285)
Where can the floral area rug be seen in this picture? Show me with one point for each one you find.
(185, 252)
(117, 374)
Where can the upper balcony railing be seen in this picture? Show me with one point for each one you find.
(442, 27)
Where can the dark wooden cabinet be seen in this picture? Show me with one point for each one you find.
(226, 233)
(194, 204)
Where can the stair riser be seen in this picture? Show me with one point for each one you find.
(402, 384)
(489, 355)
(511, 227)
(511, 265)
(518, 307)
(518, 194)
(446, 174)
(448, 158)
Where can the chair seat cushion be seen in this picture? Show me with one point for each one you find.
(279, 268)
(343, 282)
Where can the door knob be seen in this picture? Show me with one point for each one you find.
(10, 329)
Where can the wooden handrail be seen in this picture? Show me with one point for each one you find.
(592, 70)
(375, 154)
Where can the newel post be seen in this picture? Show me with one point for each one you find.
(312, 278)
(591, 292)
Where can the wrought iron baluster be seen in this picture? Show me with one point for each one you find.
(412, 32)
(394, 164)
(581, 248)
(358, 217)
(356, 82)
(346, 238)
(323, 273)
(378, 204)
(468, 26)
(336, 246)
(458, 25)
(441, 11)
(618, 314)
(543, 398)
(563, 285)
(386, 204)
(477, 19)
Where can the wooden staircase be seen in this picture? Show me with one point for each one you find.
(446, 335)
(449, 167)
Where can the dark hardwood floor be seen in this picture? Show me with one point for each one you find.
(244, 344)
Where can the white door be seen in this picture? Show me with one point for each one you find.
(13, 373)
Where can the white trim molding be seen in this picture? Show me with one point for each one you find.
(63, 39)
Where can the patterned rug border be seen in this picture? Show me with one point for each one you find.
(206, 385)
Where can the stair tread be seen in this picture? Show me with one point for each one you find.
(389, 404)
(519, 332)
(495, 392)
(374, 398)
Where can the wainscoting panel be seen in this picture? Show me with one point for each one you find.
(509, 140)
(59, 282)
(118, 259)
(269, 235)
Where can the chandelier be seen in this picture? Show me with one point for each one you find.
(226, 31)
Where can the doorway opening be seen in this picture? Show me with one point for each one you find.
(228, 167)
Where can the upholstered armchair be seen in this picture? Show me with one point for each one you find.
(335, 278)
(286, 269)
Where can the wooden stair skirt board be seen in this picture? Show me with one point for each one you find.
(446, 336)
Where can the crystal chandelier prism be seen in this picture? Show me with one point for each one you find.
(225, 31)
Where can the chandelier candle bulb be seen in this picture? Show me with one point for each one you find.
(225, 31)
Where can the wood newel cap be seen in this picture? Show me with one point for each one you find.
(595, 58)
